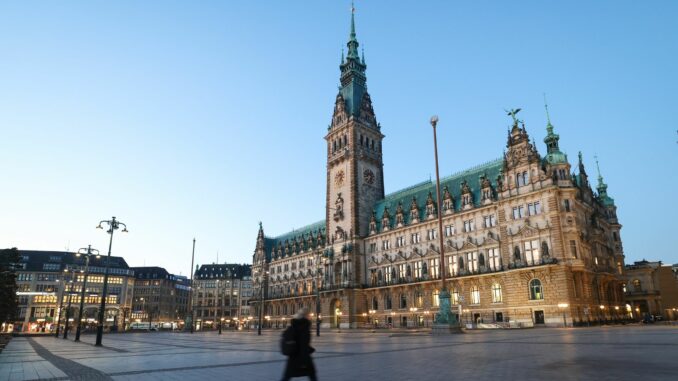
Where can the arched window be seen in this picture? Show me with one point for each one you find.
(403, 301)
(496, 293)
(536, 291)
(375, 303)
(387, 302)
(481, 259)
(475, 295)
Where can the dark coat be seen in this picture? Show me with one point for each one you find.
(300, 364)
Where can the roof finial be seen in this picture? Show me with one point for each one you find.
(546, 106)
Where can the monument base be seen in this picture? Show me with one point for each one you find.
(445, 329)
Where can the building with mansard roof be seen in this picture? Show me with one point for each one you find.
(222, 292)
(527, 240)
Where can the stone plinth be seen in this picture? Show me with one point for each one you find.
(445, 329)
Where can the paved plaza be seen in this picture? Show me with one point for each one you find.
(601, 353)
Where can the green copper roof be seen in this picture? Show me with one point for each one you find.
(602, 188)
(553, 155)
(420, 191)
(301, 235)
(353, 80)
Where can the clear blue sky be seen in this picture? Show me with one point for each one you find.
(201, 118)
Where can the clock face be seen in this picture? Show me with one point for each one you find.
(368, 176)
(339, 178)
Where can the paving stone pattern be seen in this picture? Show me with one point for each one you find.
(601, 353)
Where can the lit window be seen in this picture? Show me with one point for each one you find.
(496, 293)
(434, 264)
(435, 298)
(532, 252)
(475, 295)
(455, 296)
(493, 259)
(472, 261)
(452, 265)
(536, 292)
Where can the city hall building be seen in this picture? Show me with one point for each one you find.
(528, 241)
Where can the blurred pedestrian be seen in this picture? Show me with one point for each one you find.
(296, 344)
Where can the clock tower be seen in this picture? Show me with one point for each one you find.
(355, 171)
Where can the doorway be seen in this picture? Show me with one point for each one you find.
(538, 317)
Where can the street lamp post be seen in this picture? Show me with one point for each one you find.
(88, 252)
(68, 309)
(264, 287)
(190, 294)
(220, 308)
(444, 315)
(317, 295)
(113, 225)
(62, 287)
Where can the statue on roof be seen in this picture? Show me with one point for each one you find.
(512, 113)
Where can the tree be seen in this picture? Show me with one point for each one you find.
(8, 287)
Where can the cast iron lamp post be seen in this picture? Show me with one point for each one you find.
(113, 225)
(264, 289)
(62, 289)
(88, 253)
(444, 315)
(68, 309)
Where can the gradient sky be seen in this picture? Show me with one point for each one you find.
(199, 119)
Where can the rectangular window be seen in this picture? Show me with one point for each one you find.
(435, 298)
(431, 234)
(385, 245)
(518, 212)
(567, 205)
(452, 265)
(534, 208)
(416, 238)
(469, 226)
(454, 296)
(472, 261)
(51, 266)
(373, 247)
(400, 241)
(573, 248)
(418, 269)
(449, 230)
(402, 271)
(489, 221)
(493, 260)
(434, 265)
(388, 274)
(475, 295)
(532, 252)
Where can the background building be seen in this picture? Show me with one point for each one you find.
(527, 238)
(222, 291)
(159, 296)
(652, 290)
(40, 278)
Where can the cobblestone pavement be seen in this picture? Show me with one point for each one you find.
(601, 353)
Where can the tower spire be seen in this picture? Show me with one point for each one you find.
(549, 126)
(353, 86)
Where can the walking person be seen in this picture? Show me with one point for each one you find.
(296, 344)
